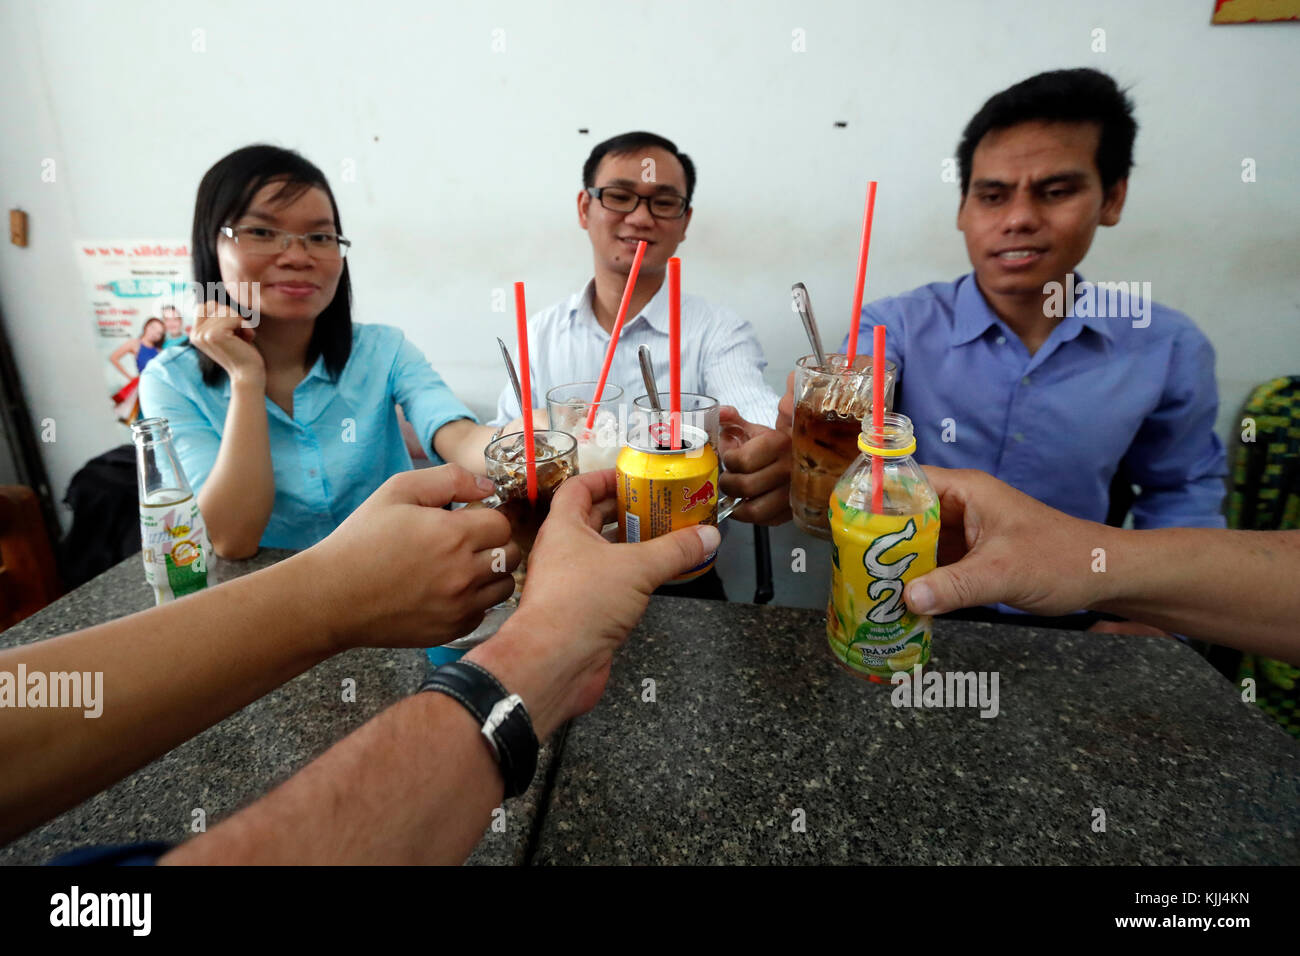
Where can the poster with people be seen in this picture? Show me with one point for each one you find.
(139, 297)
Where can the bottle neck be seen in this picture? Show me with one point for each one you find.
(151, 431)
(161, 478)
(893, 439)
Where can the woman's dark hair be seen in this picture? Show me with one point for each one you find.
(1060, 96)
(224, 195)
(145, 328)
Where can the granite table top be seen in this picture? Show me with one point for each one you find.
(728, 735)
(246, 755)
(758, 748)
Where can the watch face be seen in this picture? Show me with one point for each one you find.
(501, 710)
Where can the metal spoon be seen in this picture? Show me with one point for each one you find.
(841, 394)
(510, 370)
(648, 376)
(514, 381)
(803, 303)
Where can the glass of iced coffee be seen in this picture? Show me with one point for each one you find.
(830, 403)
(557, 459)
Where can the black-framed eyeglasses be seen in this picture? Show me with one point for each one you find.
(619, 199)
(265, 241)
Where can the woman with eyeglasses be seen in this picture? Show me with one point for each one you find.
(284, 416)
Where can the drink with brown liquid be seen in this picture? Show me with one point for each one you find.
(557, 459)
(556, 456)
(829, 406)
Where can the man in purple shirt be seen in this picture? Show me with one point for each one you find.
(1023, 369)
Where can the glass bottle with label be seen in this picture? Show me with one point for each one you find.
(174, 542)
(878, 548)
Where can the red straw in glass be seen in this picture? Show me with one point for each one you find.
(675, 348)
(877, 416)
(618, 327)
(526, 390)
(862, 274)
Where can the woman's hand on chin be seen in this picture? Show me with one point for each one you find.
(219, 333)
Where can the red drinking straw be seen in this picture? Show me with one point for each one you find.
(526, 390)
(862, 274)
(675, 348)
(877, 410)
(618, 327)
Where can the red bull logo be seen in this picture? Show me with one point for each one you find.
(703, 496)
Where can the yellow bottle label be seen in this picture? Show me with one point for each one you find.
(870, 629)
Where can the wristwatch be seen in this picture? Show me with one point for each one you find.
(503, 719)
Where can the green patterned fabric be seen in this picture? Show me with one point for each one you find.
(1266, 497)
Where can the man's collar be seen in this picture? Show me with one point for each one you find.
(973, 315)
(655, 311)
(580, 302)
(1100, 324)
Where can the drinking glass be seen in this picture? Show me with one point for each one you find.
(567, 407)
(830, 403)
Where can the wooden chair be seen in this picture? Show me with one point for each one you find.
(29, 579)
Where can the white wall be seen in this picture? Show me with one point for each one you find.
(467, 160)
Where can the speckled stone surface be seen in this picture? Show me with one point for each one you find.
(247, 754)
(753, 721)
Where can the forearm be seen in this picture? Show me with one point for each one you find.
(167, 674)
(462, 442)
(238, 495)
(1236, 588)
(416, 785)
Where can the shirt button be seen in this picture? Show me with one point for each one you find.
(1025, 380)
(312, 472)
(1001, 340)
(1019, 436)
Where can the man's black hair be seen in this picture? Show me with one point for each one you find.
(628, 143)
(1060, 96)
(225, 193)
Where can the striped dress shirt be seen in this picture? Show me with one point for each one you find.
(721, 356)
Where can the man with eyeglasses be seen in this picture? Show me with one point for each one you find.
(639, 186)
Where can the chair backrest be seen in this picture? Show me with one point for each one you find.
(1265, 496)
(1266, 469)
(105, 516)
(28, 578)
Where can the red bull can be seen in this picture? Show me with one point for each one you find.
(661, 489)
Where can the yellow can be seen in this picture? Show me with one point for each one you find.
(661, 490)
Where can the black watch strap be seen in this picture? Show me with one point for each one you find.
(503, 720)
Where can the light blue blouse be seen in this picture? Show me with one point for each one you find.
(342, 442)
